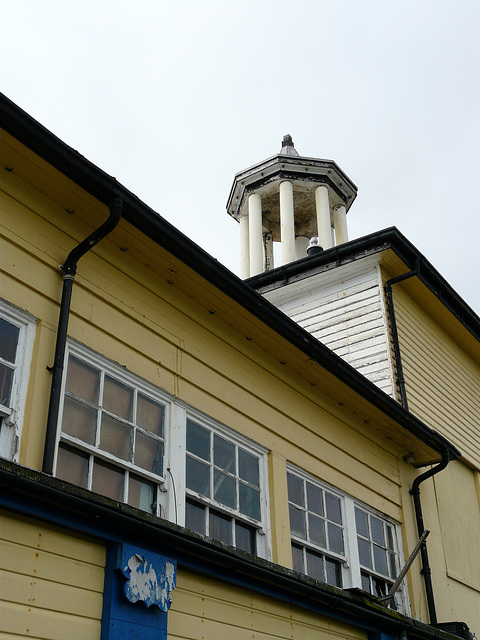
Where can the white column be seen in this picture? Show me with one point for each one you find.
(255, 233)
(340, 224)
(323, 217)
(244, 248)
(287, 222)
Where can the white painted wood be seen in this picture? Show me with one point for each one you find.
(344, 308)
(287, 224)
(255, 233)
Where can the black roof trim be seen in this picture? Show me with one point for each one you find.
(390, 238)
(104, 187)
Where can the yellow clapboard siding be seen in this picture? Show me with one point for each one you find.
(27, 532)
(50, 566)
(45, 594)
(443, 382)
(50, 580)
(40, 624)
(204, 608)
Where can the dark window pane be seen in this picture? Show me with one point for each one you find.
(334, 512)
(295, 489)
(224, 489)
(380, 559)
(220, 527)
(115, 437)
(223, 454)
(245, 537)
(380, 587)
(150, 415)
(198, 440)
(141, 494)
(72, 465)
(333, 570)
(8, 340)
(392, 565)
(316, 529)
(118, 398)
(79, 420)
(148, 453)
(335, 538)
(315, 568)
(195, 517)
(6, 380)
(376, 527)
(297, 559)
(249, 501)
(366, 582)
(297, 522)
(361, 520)
(108, 480)
(248, 467)
(314, 499)
(364, 553)
(198, 476)
(390, 542)
(83, 380)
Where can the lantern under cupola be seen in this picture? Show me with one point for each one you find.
(293, 200)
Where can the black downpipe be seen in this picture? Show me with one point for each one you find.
(426, 571)
(69, 269)
(393, 325)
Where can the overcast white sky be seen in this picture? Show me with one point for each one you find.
(174, 97)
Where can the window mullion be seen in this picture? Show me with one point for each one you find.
(351, 551)
(173, 500)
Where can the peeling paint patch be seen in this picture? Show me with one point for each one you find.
(150, 577)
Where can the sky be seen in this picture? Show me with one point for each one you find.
(174, 98)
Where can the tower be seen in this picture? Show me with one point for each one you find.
(290, 199)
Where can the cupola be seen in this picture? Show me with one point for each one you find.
(289, 199)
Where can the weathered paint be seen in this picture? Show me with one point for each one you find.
(344, 308)
(442, 378)
(150, 578)
(207, 608)
(51, 582)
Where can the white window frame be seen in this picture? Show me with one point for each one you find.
(351, 570)
(171, 492)
(261, 526)
(12, 416)
(130, 379)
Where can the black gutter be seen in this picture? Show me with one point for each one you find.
(69, 269)
(100, 185)
(394, 330)
(426, 570)
(30, 492)
(390, 238)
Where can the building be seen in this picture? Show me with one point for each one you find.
(183, 457)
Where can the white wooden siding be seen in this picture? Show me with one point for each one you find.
(344, 309)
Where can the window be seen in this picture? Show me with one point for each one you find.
(223, 486)
(112, 432)
(126, 439)
(16, 342)
(339, 541)
(376, 551)
(317, 529)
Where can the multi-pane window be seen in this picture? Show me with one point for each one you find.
(223, 487)
(376, 550)
(340, 541)
(16, 341)
(112, 433)
(317, 530)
